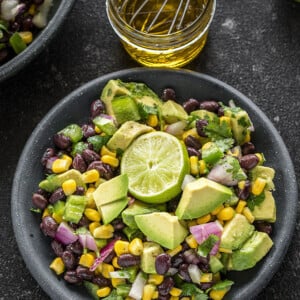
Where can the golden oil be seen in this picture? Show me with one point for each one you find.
(161, 33)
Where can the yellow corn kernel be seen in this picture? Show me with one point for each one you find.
(115, 263)
(32, 9)
(192, 132)
(46, 212)
(175, 292)
(90, 176)
(206, 277)
(192, 223)
(258, 186)
(104, 232)
(148, 291)
(241, 184)
(207, 145)
(217, 294)
(67, 158)
(202, 167)
(103, 292)
(97, 129)
(174, 298)
(225, 250)
(136, 246)
(93, 226)
(60, 165)
(86, 260)
(247, 137)
(155, 279)
(194, 167)
(92, 214)
(106, 151)
(226, 120)
(152, 120)
(57, 266)
(248, 214)
(217, 210)
(69, 186)
(117, 281)
(121, 247)
(90, 199)
(204, 219)
(261, 158)
(191, 241)
(26, 36)
(226, 214)
(110, 160)
(155, 295)
(240, 206)
(58, 218)
(106, 269)
(176, 250)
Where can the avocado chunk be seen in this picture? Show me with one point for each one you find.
(203, 114)
(111, 197)
(265, 211)
(92, 289)
(201, 197)
(74, 208)
(215, 264)
(253, 250)
(264, 172)
(150, 252)
(128, 132)
(162, 228)
(106, 124)
(55, 181)
(236, 232)
(173, 112)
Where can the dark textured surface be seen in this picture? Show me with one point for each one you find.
(253, 46)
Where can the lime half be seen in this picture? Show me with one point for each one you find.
(155, 164)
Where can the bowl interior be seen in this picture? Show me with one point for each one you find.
(35, 248)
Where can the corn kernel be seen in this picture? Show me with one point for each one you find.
(155, 295)
(90, 176)
(247, 137)
(67, 158)
(175, 292)
(217, 210)
(191, 241)
(86, 260)
(258, 186)
(26, 36)
(225, 250)
(97, 129)
(58, 218)
(57, 266)
(226, 214)
(240, 206)
(217, 294)
(206, 277)
(207, 145)
(60, 165)
(202, 167)
(69, 186)
(192, 132)
(148, 291)
(152, 120)
(176, 250)
(93, 226)
(104, 232)
(204, 219)
(155, 279)
(261, 158)
(121, 247)
(115, 263)
(136, 246)
(248, 214)
(106, 269)
(192, 223)
(194, 167)
(103, 292)
(241, 184)
(110, 160)
(174, 298)
(32, 9)
(226, 120)
(117, 281)
(46, 212)
(92, 214)
(106, 151)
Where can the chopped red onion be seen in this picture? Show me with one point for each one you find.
(220, 173)
(136, 291)
(65, 234)
(50, 162)
(176, 128)
(87, 241)
(194, 272)
(187, 179)
(10, 9)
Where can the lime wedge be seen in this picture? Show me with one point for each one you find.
(155, 164)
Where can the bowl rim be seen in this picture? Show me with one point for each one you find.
(18, 62)
(279, 252)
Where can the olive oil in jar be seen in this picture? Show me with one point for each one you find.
(162, 33)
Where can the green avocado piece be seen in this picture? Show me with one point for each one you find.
(106, 125)
(215, 264)
(111, 211)
(200, 197)
(150, 252)
(52, 182)
(265, 211)
(173, 112)
(252, 251)
(203, 114)
(266, 173)
(128, 132)
(74, 132)
(236, 232)
(162, 228)
(74, 208)
(92, 289)
(211, 153)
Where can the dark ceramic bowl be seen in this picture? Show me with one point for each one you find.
(57, 15)
(35, 248)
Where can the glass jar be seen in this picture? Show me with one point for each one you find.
(161, 33)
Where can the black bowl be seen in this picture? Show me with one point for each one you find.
(57, 15)
(35, 248)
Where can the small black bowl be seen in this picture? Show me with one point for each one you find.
(57, 15)
(35, 247)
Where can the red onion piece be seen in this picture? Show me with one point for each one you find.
(65, 234)
(187, 179)
(50, 162)
(222, 175)
(176, 128)
(87, 241)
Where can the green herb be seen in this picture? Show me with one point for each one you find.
(255, 200)
(217, 131)
(190, 289)
(225, 144)
(113, 296)
(36, 210)
(207, 245)
(225, 284)
(146, 110)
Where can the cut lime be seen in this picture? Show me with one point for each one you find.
(156, 164)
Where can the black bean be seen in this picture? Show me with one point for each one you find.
(168, 94)
(58, 194)
(128, 260)
(177, 260)
(193, 152)
(27, 23)
(191, 257)
(220, 112)
(104, 170)
(50, 152)
(248, 148)
(165, 287)
(164, 297)
(200, 125)
(90, 156)
(84, 273)
(191, 141)
(263, 226)
(80, 191)
(97, 108)
(245, 191)
(38, 2)
(191, 105)
(101, 281)
(71, 277)
(75, 248)
(162, 263)
(3, 55)
(249, 161)
(210, 105)
(61, 141)
(84, 221)
(184, 273)
(206, 285)
(69, 259)
(87, 130)
(57, 247)
(79, 163)
(39, 201)
(43, 193)
(48, 226)
(204, 264)
(109, 257)
(118, 224)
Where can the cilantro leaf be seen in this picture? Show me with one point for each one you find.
(146, 110)
(217, 131)
(190, 289)
(205, 247)
(255, 200)
(221, 285)
(225, 144)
